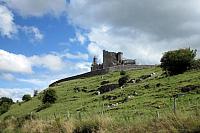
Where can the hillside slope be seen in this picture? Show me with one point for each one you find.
(147, 98)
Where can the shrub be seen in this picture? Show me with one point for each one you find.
(122, 72)
(35, 93)
(177, 61)
(105, 82)
(6, 100)
(4, 108)
(26, 97)
(123, 80)
(195, 64)
(5, 104)
(49, 96)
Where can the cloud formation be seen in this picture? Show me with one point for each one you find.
(17, 63)
(33, 33)
(49, 61)
(37, 8)
(141, 29)
(7, 25)
(15, 93)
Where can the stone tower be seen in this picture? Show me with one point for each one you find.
(111, 59)
(95, 66)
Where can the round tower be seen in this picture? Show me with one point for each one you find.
(119, 57)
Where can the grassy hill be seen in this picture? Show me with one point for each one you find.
(134, 103)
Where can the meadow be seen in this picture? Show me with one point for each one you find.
(144, 106)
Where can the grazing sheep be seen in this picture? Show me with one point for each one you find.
(152, 74)
(98, 92)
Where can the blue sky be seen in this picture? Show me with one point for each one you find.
(42, 41)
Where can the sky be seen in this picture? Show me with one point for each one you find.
(42, 41)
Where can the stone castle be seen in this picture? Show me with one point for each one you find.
(111, 60)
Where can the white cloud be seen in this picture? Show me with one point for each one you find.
(82, 66)
(78, 38)
(7, 76)
(141, 29)
(7, 25)
(49, 61)
(78, 55)
(17, 63)
(15, 93)
(10, 62)
(8, 28)
(32, 81)
(37, 7)
(33, 33)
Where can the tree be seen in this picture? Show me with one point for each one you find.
(6, 100)
(26, 97)
(5, 104)
(49, 96)
(177, 61)
(35, 93)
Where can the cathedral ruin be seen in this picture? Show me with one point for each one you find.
(111, 60)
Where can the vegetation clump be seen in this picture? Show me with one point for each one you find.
(49, 96)
(26, 97)
(123, 80)
(195, 64)
(105, 82)
(122, 72)
(177, 61)
(5, 104)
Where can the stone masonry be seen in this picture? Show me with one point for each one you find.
(111, 59)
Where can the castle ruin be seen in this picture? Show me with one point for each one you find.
(111, 60)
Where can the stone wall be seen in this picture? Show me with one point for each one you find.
(102, 72)
(84, 75)
(128, 67)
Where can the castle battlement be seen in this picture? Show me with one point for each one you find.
(111, 62)
(111, 59)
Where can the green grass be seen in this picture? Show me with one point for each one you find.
(150, 98)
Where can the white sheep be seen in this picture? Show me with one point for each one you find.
(98, 92)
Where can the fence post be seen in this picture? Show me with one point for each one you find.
(174, 106)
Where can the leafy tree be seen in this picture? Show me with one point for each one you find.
(35, 93)
(26, 97)
(177, 61)
(49, 96)
(6, 100)
(5, 104)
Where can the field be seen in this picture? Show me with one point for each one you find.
(145, 106)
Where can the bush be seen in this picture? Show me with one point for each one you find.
(5, 104)
(177, 61)
(49, 96)
(4, 108)
(196, 64)
(35, 93)
(122, 72)
(26, 97)
(105, 82)
(123, 80)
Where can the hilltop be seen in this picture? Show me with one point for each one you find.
(148, 98)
